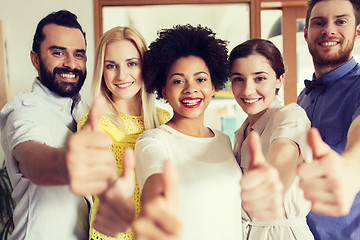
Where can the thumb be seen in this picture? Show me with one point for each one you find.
(96, 111)
(318, 146)
(170, 181)
(257, 158)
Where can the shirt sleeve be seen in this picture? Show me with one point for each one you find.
(291, 122)
(25, 125)
(150, 155)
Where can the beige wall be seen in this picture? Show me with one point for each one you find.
(20, 18)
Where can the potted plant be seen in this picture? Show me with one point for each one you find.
(6, 204)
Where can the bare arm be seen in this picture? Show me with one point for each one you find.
(42, 164)
(352, 150)
(283, 155)
(87, 163)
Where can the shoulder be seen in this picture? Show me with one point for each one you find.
(291, 112)
(156, 133)
(23, 105)
(163, 115)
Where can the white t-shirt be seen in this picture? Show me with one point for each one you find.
(51, 212)
(209, 180)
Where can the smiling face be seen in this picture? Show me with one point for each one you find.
(331, 33)
(61, 62)
(188, 88)
(254, 84)
(122, 71)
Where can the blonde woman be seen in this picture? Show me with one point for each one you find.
(130, 110)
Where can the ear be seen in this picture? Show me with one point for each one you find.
(357, 32)
(164, 94)
(35, 60)
(280, 81)
(213, 90)
(306, 34)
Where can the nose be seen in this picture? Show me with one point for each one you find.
(329, 29)
(70, 61)
(190, 87)
(123, 72)
(249, 88)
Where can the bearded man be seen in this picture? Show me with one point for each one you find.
(332, 103)
(37, 127)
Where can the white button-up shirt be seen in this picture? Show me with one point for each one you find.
(42, 212)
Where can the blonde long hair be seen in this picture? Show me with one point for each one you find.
(98, 84)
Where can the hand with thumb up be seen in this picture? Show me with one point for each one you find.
(330, 180)
(261, 188)
(91, 164)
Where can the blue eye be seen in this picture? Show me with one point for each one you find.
(340, 22)
(110, 66)
(131, 64)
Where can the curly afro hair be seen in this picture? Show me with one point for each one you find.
(182, 41)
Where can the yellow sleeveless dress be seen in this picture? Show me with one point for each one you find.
(123, 137)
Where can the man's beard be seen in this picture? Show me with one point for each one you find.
(342, 56)
(63, 89)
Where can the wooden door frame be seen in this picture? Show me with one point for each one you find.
(292, 10)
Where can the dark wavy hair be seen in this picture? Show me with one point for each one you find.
(312, 3)
(62, 18)
(183, 41)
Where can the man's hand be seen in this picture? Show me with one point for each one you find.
(116, 210)
(90, 162)
(328, 181)
(157, 220)
(261, 188)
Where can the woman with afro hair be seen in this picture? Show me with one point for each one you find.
(185, 66)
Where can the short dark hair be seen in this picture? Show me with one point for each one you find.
(183, 41)
(312, 3)
(263, 47)
(62, 18)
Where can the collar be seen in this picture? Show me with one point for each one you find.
(261, 123)
(338, 73)
(62, 102)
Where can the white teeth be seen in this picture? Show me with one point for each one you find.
(191, 102)
(123, 85)
(251, 100)
(68, 75)
(329, 43)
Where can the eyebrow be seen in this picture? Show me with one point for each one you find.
(336, 17)
(129, 59)
(64, 48)
(255, 73)
(181, 74)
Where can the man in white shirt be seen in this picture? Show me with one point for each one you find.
(37, 137)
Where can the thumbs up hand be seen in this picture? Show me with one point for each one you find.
(157, 220)
(90, 162)
(116, 210)
(328, 181)
(261, 188)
